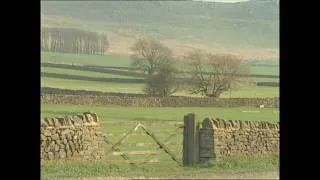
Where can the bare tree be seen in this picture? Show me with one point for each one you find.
(213, 74)
(149, 54)
(164, 81)
(70, 40)
(105, 44)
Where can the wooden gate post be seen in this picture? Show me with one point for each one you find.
(191, 139)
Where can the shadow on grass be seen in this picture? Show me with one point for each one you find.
(59, 113)
(146, 119)
(253, 163)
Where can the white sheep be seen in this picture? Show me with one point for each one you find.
(261, 106)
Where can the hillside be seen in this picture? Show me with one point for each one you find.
(250, 29)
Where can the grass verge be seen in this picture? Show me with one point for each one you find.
(168, 169)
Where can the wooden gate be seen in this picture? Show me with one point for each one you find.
(182, 148)
(145, 144)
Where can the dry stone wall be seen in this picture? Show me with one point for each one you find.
(140, 101)
(220, 138)
(72, 137)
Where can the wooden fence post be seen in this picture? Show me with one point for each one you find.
(191, 139)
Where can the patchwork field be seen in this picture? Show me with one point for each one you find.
(120, 61)
(249, 89)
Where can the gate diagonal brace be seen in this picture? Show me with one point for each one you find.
(114, 148)
(124, 137)
(161, 145)
(148, 158)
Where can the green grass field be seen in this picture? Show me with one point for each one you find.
(107, 113)
(83, 73)
(108, 75)
(90, 85)
(244, 91)
(252, 91)
(68, 58)
(265, 70)
(168, 170)
(264, 80)
(120, 61)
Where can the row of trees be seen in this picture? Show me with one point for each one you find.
(69, 40)
(209, 74)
